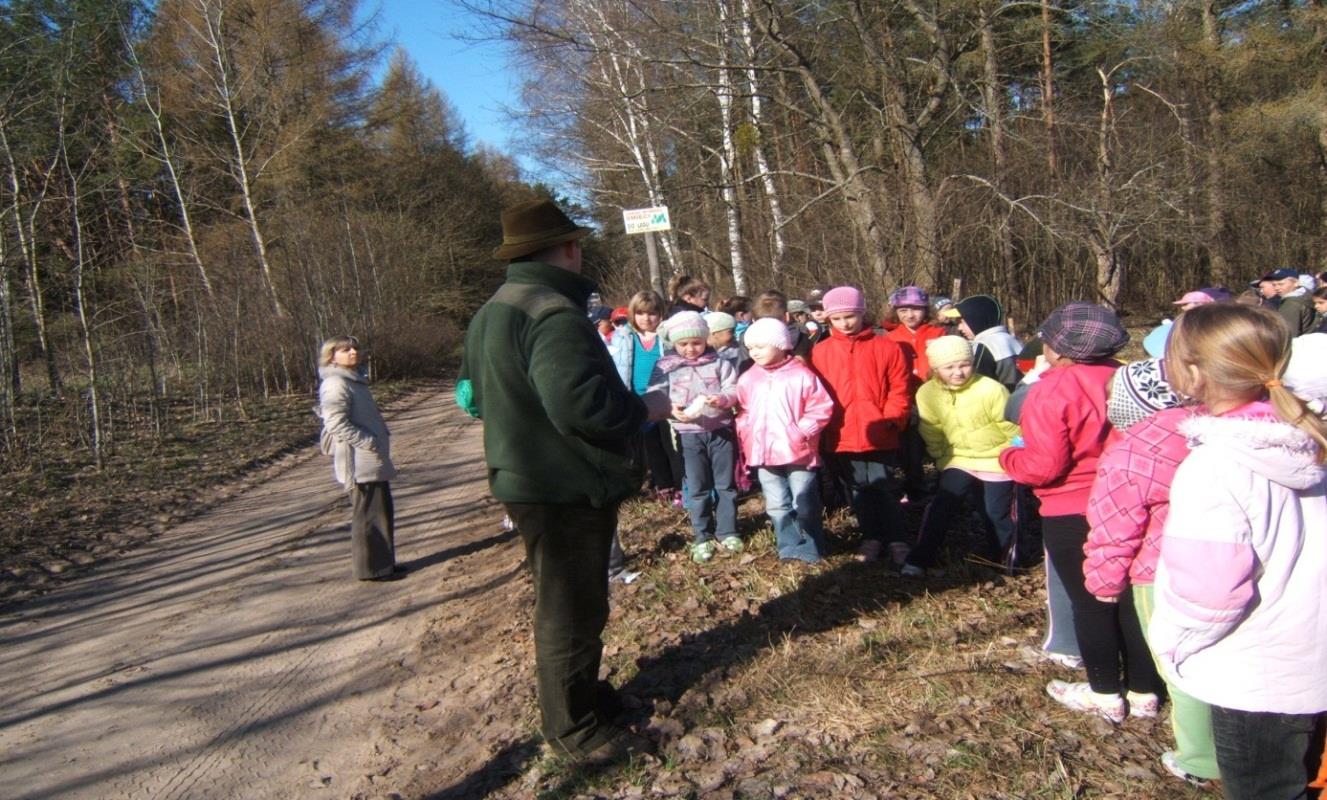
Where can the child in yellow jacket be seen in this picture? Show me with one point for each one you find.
(962, 422)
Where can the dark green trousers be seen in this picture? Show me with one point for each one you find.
(567, 550)
(372, 530)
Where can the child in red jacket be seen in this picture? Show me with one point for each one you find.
(867, 375)
(1065, 431)
(913, 307)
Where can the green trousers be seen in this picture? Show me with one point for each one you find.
(1190, 718)
(567, 550)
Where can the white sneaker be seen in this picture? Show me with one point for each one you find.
(1080, 697)
(1143, 704)
(911, 571)
(1170, 761)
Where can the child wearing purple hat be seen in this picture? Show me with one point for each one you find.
(914, 331)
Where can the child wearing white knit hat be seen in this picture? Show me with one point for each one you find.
(963, 425)
(784, 409)
(703, 389)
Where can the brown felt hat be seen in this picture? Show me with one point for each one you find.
(533, 225)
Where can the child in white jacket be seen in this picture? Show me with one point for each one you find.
(1241, 584)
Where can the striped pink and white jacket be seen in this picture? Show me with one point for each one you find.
(1130, 501)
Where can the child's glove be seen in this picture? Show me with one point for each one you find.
(1017, 441)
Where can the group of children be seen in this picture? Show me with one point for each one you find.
(1217, 605)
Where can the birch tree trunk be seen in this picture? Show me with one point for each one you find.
(167, 160)
(80, 267)
(213, 16)
(25, 227)
(777, 219)
(620, 70)
(728, 153)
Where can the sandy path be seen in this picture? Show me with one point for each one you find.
(235, 657)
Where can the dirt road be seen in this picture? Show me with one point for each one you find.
(235, 657)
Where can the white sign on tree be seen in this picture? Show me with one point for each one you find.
(644, 220)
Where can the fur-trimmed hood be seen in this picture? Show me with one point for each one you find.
(1262, 442)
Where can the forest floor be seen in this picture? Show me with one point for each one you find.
(228, 654)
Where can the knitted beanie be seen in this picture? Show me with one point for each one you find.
(685, 325)
(768, 332)
(844, 300)
(910, 297)
(944, 350)
(1137, 391)
(720, 321)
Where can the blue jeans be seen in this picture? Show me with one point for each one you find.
(792, 500)
(710, 458)
(1261, 755)
(997, 499)
(874, 492)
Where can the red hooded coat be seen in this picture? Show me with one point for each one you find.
(867, 375)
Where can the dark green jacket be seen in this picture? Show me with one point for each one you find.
(1297, 311)
(557, 418)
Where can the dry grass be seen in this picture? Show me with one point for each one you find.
(763, 679)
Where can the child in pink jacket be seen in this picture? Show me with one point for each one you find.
(1127, 512)
(1065, 429)
(784, 407)
(1241, 584)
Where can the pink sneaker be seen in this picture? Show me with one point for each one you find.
(1143, 704)
(1080, 697)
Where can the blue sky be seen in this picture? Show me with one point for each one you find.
(474, 76)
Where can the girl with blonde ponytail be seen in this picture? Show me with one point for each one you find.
(1242, 577)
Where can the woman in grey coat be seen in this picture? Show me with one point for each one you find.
(356, 437)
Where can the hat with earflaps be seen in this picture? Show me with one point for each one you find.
(533, 225)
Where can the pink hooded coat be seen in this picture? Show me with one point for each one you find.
(1241, 587)
(783, 410)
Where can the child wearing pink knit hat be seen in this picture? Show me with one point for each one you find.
(867, 375)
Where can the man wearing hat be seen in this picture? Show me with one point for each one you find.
(557, 420)
(1296, 305)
